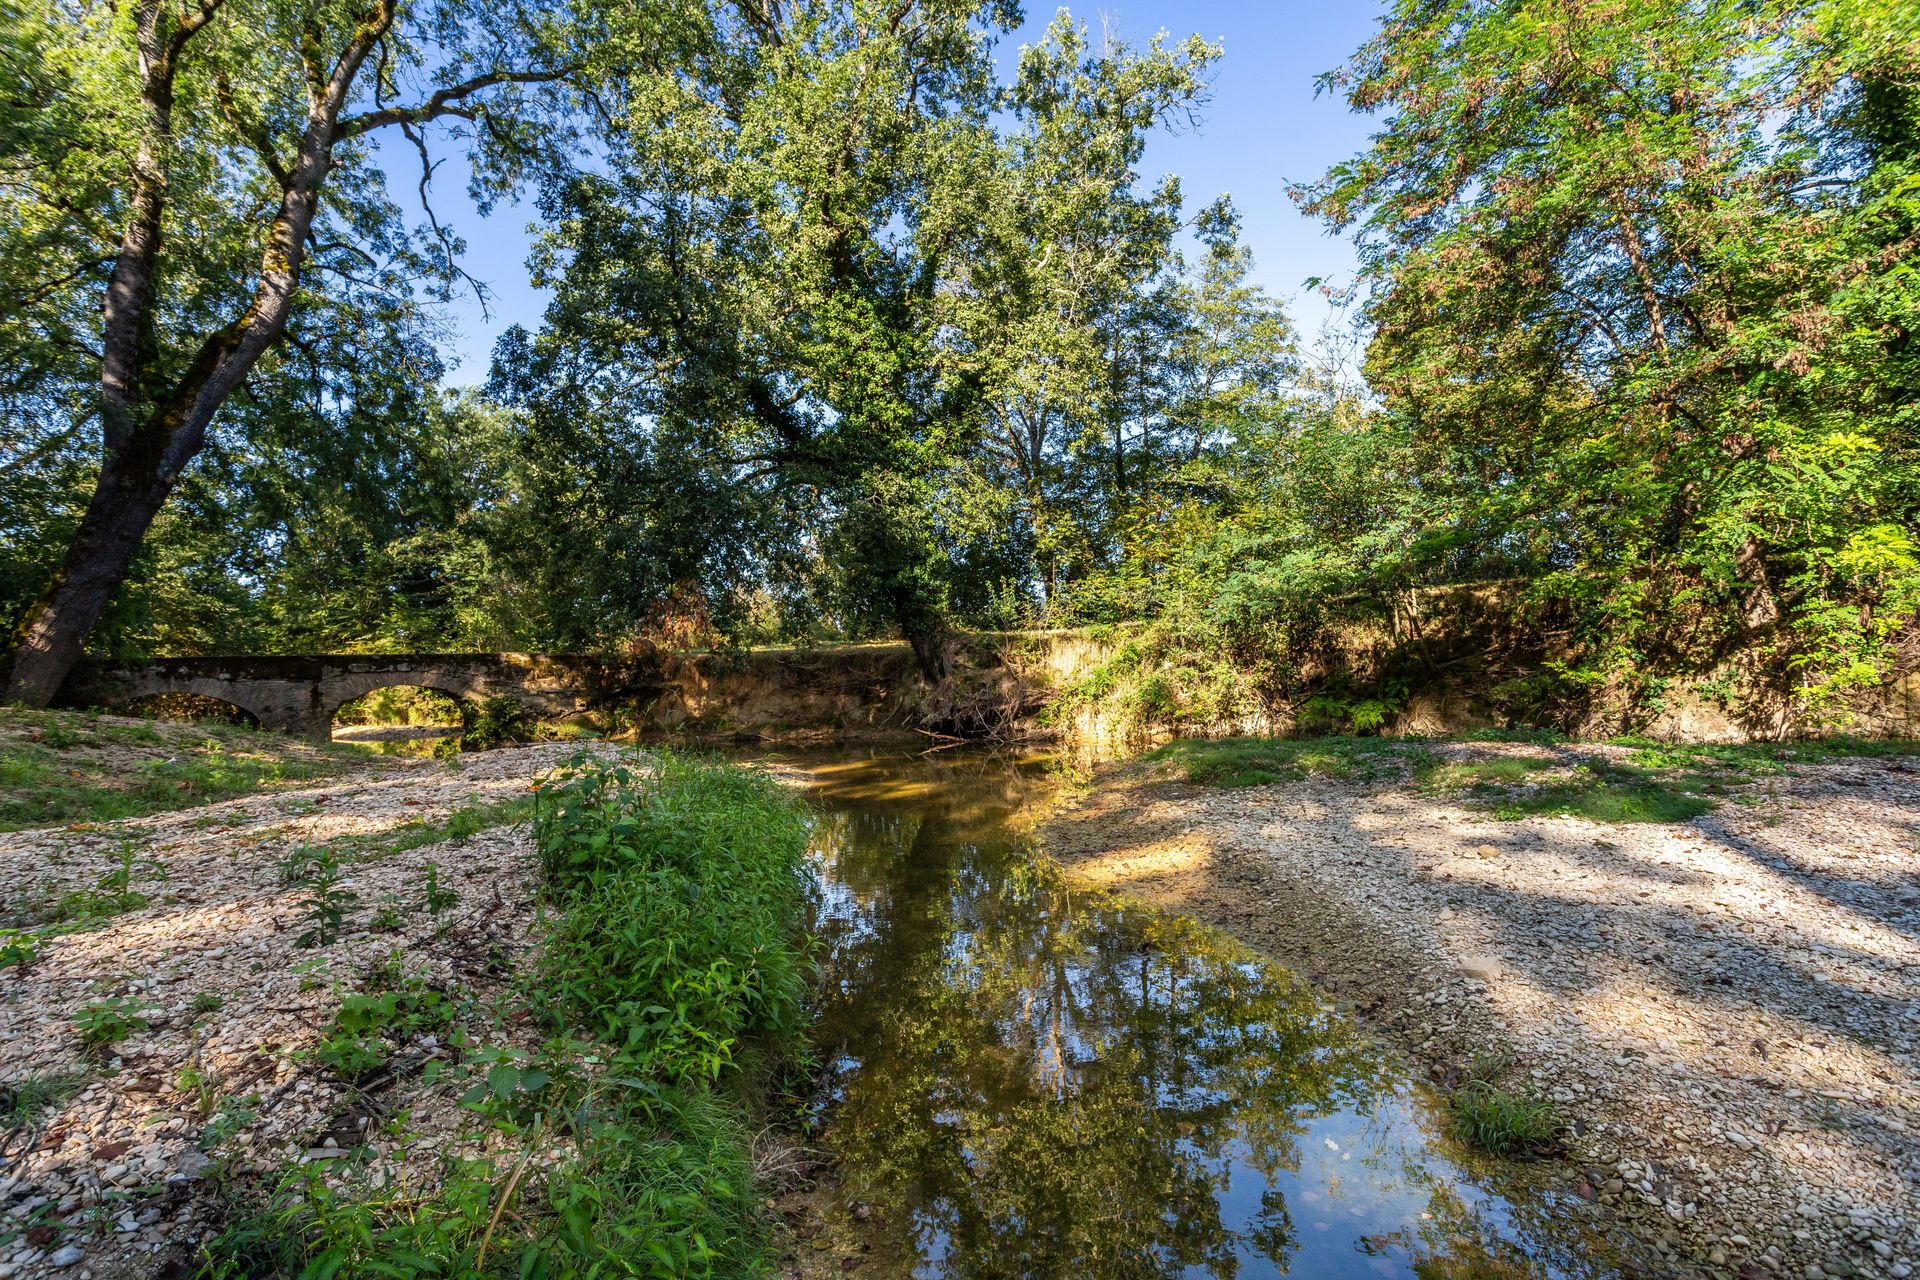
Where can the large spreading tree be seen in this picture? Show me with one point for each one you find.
(194, 195)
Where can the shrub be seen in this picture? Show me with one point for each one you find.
(107, 1022)
(683, 899)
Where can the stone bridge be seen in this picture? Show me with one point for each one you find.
(299, 695)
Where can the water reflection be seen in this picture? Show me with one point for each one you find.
(1036, 1082)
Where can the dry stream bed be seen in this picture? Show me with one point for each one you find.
(1026, 1075)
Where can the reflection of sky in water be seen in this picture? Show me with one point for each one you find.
(1036, 1082)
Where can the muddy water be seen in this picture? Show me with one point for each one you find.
(1032, 1081)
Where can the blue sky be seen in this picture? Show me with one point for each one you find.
(1264, 129)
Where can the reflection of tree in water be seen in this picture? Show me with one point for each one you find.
(1047, 1084)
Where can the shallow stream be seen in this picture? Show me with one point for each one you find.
(1033, 1081)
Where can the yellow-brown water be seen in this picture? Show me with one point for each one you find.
(1029, 1081)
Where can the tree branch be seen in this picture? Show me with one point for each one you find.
(448, 101)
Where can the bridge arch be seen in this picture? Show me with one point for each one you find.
(342, 693)
(181, 704)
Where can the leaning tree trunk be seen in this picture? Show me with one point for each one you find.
(55, 631)
(152, 432)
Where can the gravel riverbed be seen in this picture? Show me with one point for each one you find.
(115, 1180)
(1726, 1010)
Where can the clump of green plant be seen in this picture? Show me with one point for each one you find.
(369, 1025)
(208, 1002)
(661, 1189)
(199, 1084)
(1496, 1119)
(113, 893)
(682, 896)
(106, 1022)
(433, 897)
(328, 900)
(24, 1101)
(1364, 712)
(18, 948)
(1503, 1122)
(1258, 762)
(231, 1115)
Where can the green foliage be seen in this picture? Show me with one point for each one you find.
(661, 1190)
(1258, 762)
(495, 722)
(317, 869)
(18, 948)
(1636, 306)
(369, 1024)
(67, 767)
(106, 1022)
(434, 897)
(682, 891)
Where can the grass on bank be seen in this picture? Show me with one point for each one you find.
(65, 767)
(1258, 762)
(670, 986)
(1655, 782)
(1506, 1122)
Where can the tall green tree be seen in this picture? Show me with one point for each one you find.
(188, 178)
(1637, 282)
(801, 260)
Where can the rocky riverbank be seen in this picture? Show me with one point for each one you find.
(1725, 1010)
(164, 1050)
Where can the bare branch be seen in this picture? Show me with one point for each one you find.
(445, 237)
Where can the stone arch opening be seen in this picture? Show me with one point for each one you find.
(400, 712)
(185, 705)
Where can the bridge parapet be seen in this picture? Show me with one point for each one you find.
(299, 694)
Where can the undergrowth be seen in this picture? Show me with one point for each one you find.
(1520, 787)
(1655, 782)
(671, 982)
(62, 767)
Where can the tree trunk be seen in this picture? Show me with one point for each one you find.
(55, 631)
(927, 635)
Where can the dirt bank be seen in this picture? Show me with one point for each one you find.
(1725, 1010)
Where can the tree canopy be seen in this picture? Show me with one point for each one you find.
(856, 329)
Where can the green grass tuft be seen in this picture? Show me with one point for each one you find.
(24, 1101)
(1505, 1123)
(1257, 762)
